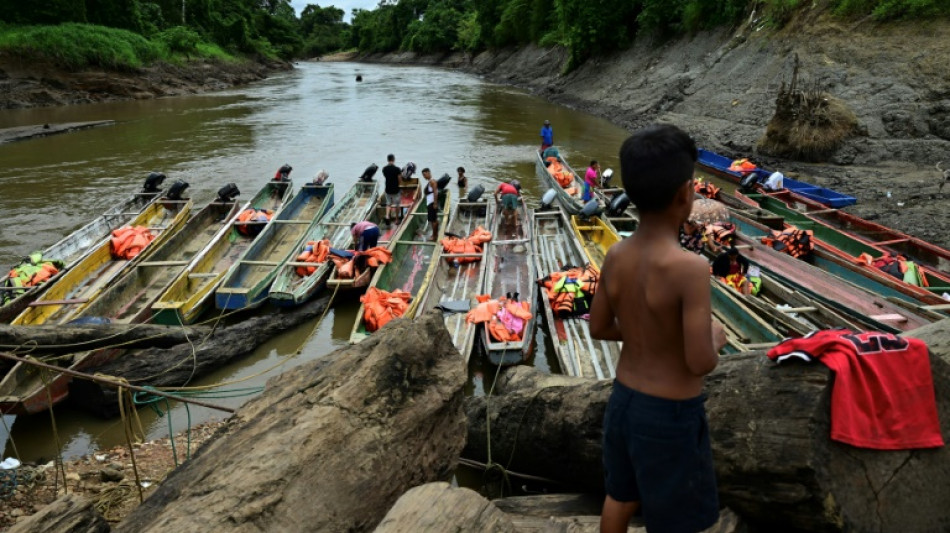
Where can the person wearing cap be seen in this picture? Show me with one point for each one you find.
(547, 135)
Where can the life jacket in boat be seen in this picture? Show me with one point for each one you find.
(253, 215)
(897, 266)
(504, 318)
(561, 175)
(32, 271)
(721, 232)
(313, 252)
(742, 165)
(128, 241)
(571, 291)
(381, 307)
(736, 281)
(793, 241)
(352, 267)
(473, 244)
(706, 189)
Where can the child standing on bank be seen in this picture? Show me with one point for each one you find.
(654, 296)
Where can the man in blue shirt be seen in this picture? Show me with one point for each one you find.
(547, 135)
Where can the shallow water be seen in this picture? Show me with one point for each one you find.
(315, 117)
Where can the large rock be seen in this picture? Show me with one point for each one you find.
(328, 446)
(68, 514)
(770, 425)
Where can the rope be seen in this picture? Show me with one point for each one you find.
(491, 465)
(123, 393)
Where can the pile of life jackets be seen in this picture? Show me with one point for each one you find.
(253, 215)
(561, 175)
(706, 189)
(793, 241)
(380, 307)
(723, 233)
(314, 252)
(739, 283)
(571, 291)
(897, 266)
(742, 165)
(346, 267)
(466, 245)
(31, 272)
(505, 318)
(128, 241)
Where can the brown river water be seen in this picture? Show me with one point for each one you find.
(314, 117)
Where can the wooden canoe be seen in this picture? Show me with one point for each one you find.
(835, 231)
(247, 283)
(71, 249)
(415, 255)
(289, 287)
(579, 354)
(861, 301)
(73, 291)
(745, 329)
(718, 165)
(410, 197)
(130, 299)
(190, 294)
(459, 282)
(510, 269)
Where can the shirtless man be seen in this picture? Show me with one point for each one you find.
(656, 438)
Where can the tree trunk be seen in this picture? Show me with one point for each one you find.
(76, 338)
(177, 366)
(329, 445)
(68, 514)
(770, 425)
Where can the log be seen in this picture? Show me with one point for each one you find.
(76, 338)
(67, 514)
(329, 445)
(177, 366)
(770, 427)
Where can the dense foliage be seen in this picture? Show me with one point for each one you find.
(166, 29)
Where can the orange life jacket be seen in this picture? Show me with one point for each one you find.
(897, 266)
(314, 252)
(706, 189)
(561, 175)
(742, 165)
(253, 215)
(380, 307)
(466, 245)
(736, 281)
(571, 291)
(721, 232)
(793, 241)
(346, 266)
(128, 241)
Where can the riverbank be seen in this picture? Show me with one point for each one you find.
(30, 84)
(721, 87)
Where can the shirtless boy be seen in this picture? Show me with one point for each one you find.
(654, 296)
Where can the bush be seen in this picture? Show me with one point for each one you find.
(180, 40)
(77, 46)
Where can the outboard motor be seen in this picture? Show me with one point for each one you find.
(590, 209)
(228, 193)
(605, 178)
(369, 172)
(747, 183)
(618, 204)
(176, 190)
(548, 199)
(321, 178)
(476, 193)
(283, 173)
(408, 170)
(153, 182)
(444, 181)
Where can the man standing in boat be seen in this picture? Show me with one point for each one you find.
(393, 176)
(432, 202)
(547, 136)
(591, 179)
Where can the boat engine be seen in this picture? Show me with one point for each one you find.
(590, 209)
(153, 182)
(548, 199)
(408, 170)
(444, 181)
(176, 190)
(618, 204)
(369, 172)
(476, 193)
(748, 182)
(605, 178)
(228, 193)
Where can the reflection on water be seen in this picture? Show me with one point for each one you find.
(315, 117)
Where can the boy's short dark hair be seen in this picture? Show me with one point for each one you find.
(426, 170)
(460, 169)
(390, 158)
(654, 163)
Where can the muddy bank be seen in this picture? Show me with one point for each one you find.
(721, 87)
(25, 84)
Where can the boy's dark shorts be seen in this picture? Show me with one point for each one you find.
(432, 213)
(657, 451)
(509, 202)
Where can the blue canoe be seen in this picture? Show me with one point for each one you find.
(719, 165)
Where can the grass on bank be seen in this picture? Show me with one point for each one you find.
(77, 46)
